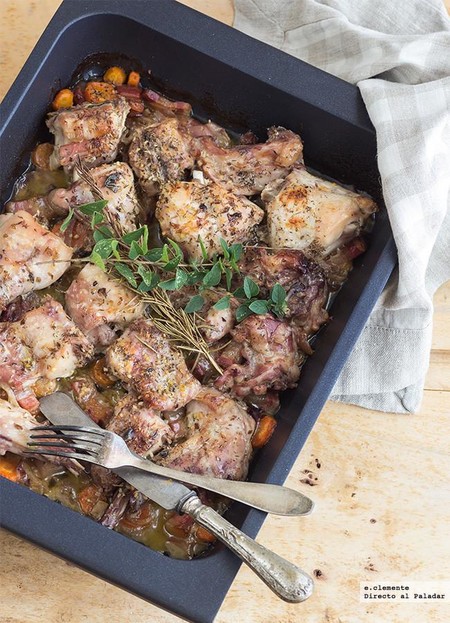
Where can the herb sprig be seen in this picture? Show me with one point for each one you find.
(165, 268)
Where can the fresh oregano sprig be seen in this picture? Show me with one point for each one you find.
(145, 268)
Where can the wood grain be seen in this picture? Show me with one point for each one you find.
(382, 494)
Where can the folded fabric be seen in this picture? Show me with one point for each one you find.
(398, 53)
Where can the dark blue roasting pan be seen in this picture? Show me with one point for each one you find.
(243, 84)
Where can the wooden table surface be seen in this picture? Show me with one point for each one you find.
(382, 491)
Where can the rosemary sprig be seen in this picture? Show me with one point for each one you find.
(179, 326)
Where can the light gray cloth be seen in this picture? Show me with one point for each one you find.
(398, 53)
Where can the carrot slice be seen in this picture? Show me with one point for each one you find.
(203, 534)
(88, 498)
(99, 92)
(63, 99)
(8, 467)
(115, 75)
(264, 431)
(134, 79)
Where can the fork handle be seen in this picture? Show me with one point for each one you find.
(284, 578)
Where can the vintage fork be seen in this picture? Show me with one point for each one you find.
(107, 449)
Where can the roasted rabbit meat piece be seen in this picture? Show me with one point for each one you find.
(39, 207)
(312, 214)
(190, 211)
(115, 183)
(145, 432)
(89, 132)
(18, 367)
(219, 438)
(55, 341)
(31, 257)
(160, 153)
(100, 305)
(247, 169)
(143, 359)
(44, 344)
(304, 282)
(15, 426)
(261, 356)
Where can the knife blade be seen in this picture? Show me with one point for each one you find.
(60, 409)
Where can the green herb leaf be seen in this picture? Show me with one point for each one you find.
(259, 307)
(135, 250)
(236, 251)
(95, 206)
(96, 259)
(251, 288)
(242, 312)
(103, 248)
(96, 219)
(228, 277)
(144, 240)
(114, 248)
(195, 277)
(154, 255)
(239, 293)
(194, 304)
(149, 279)
(66, 222)
(278, 294)
(213, 276)
(203, 249)
(168, 285)
(180, 279)
(165, 253)
(223, 303)
(225, 249)
(126, 272)
(176, 248)
(170, 266)
(134, 235)
(102, 233)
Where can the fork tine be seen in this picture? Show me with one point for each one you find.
(66, 446)
(76, 429)
(67, 437)
(71, 455)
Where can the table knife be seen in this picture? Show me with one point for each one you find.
(285, 579)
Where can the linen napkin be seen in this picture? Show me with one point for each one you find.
(398, 53)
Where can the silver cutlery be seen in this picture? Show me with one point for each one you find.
(269, 498)
(109, 450)
(285, 579)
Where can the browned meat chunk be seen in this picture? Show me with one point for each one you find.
(45, 344)
(101, 305)
(31, 257)
(189, 211)
(15, 425)
(143, 358)
(247, 169)
(261, 356)
(145, 432)
(302, 279)
(115, 183)
(89, 132)
(311, 214)
(219, 441)
(160, 153)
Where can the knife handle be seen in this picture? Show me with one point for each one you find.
(281, 576)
